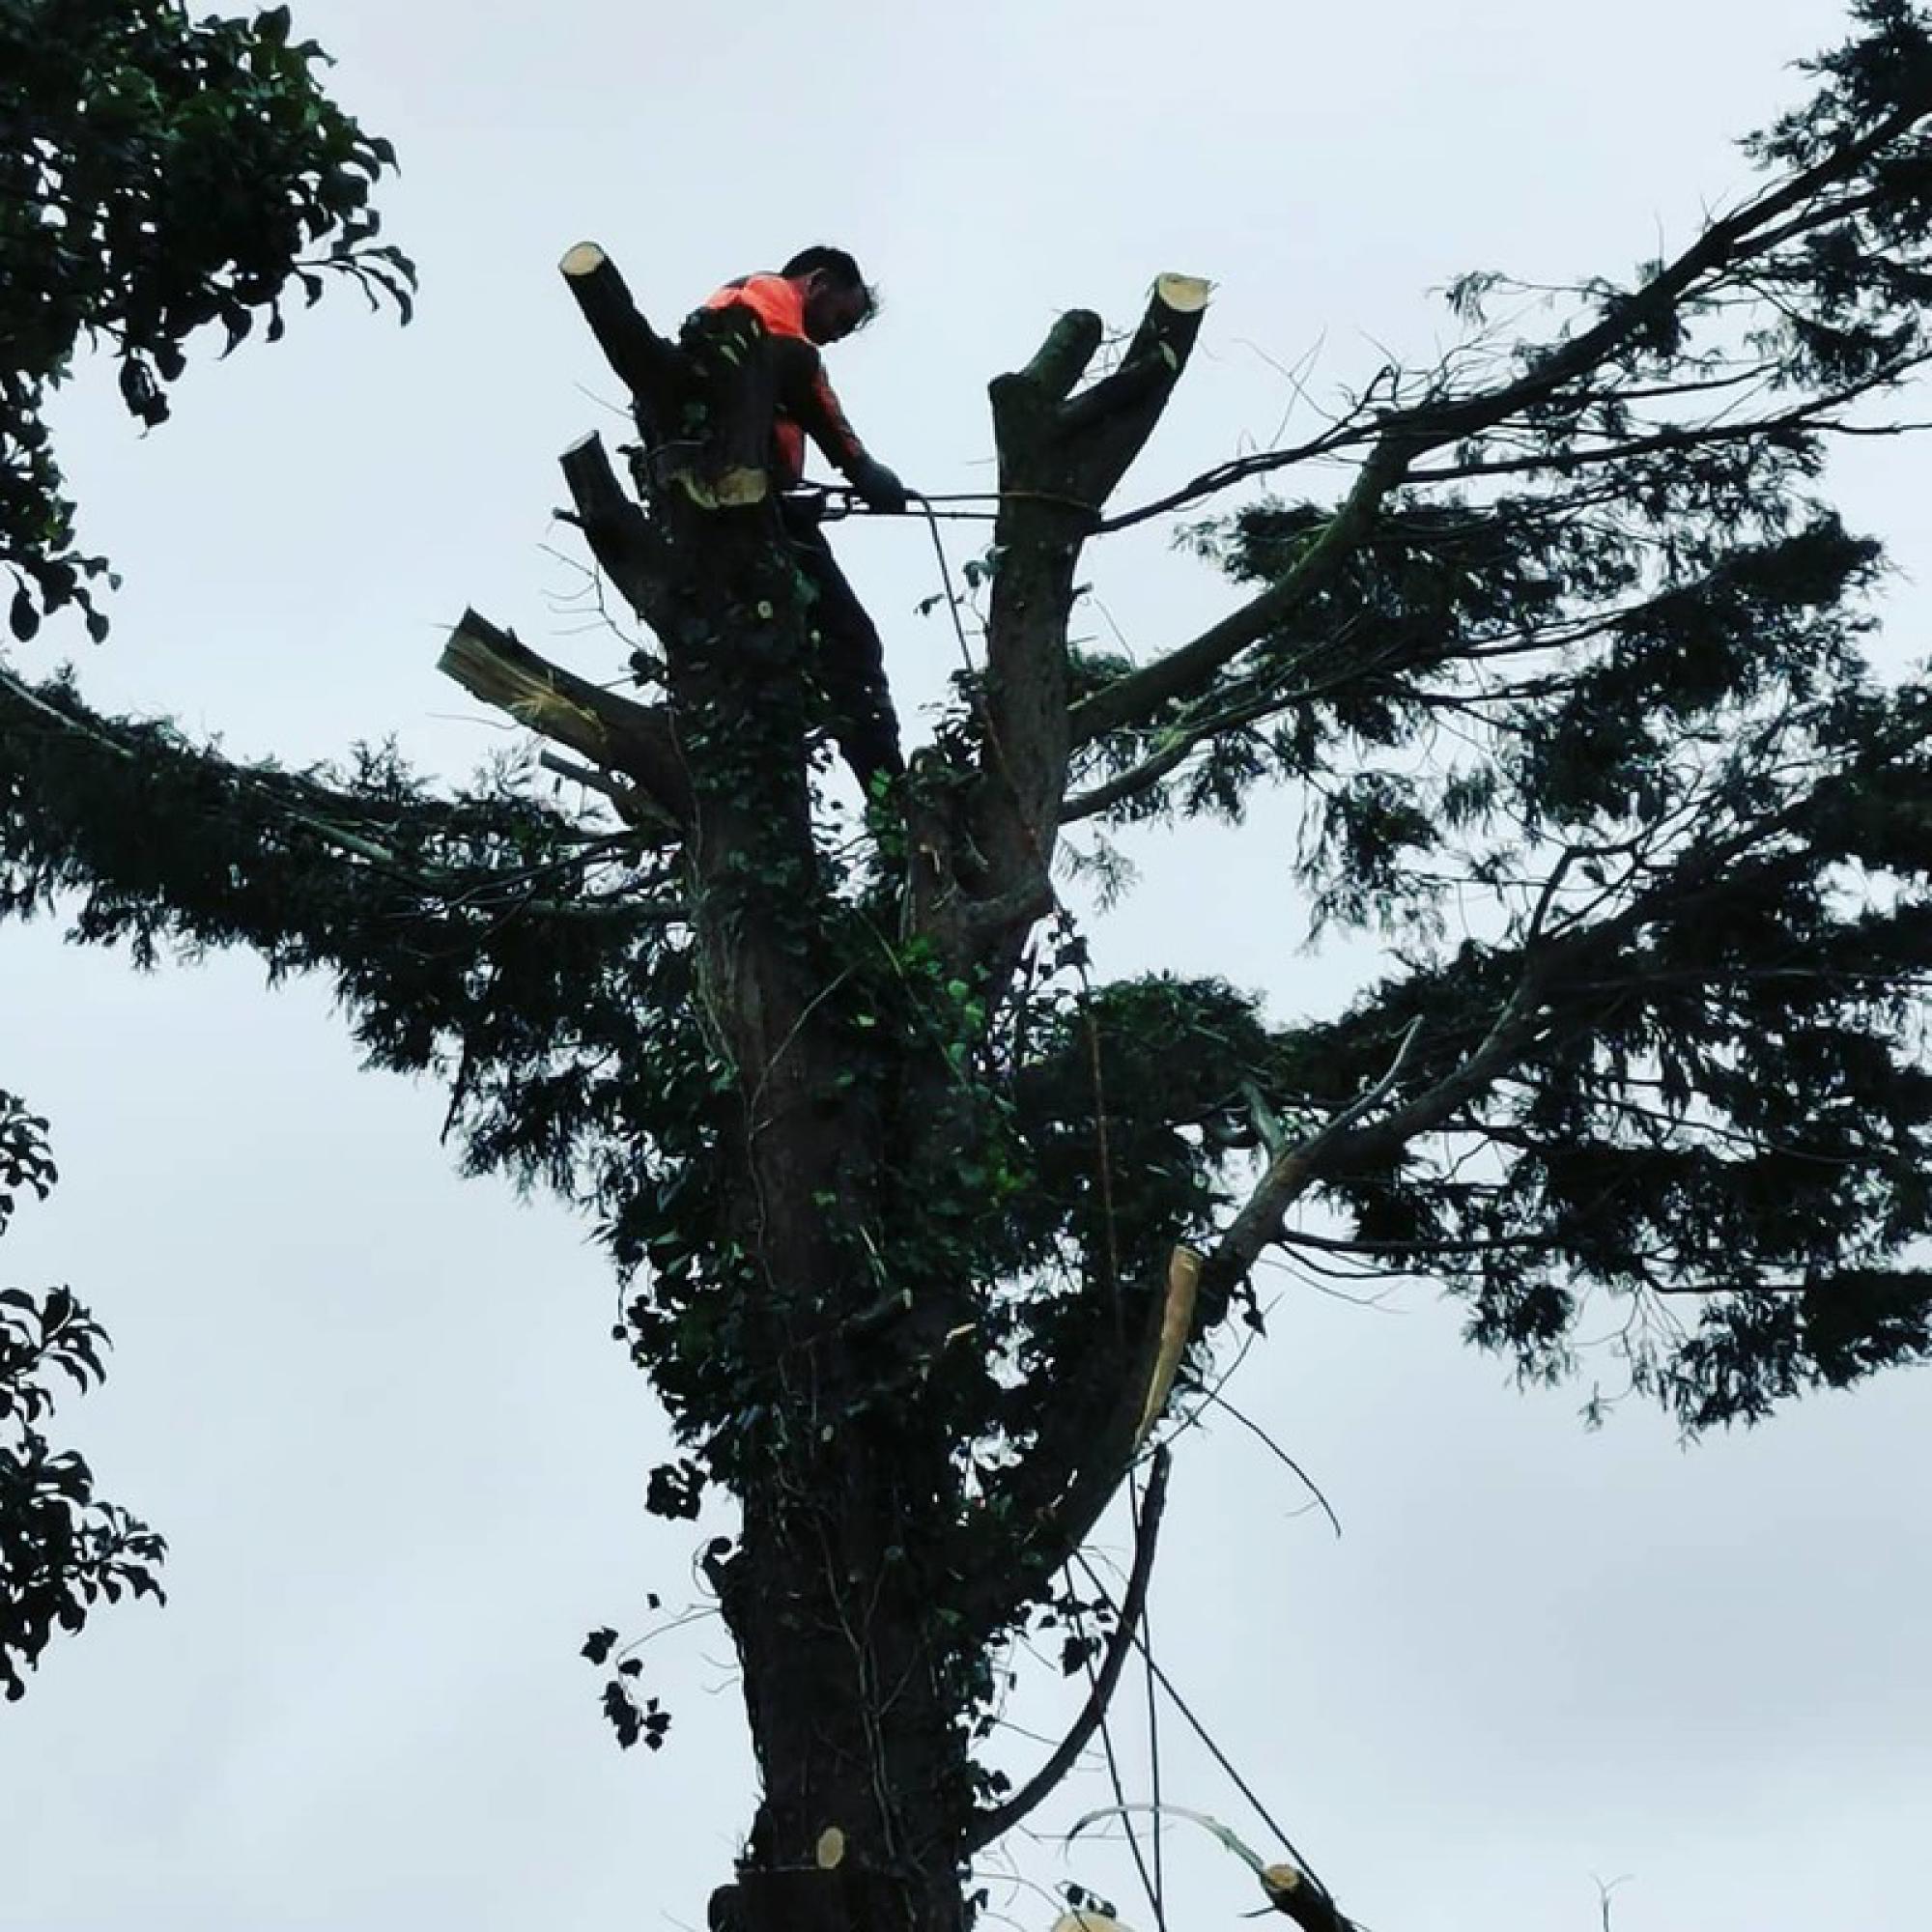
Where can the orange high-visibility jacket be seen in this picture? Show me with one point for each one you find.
(807, 404)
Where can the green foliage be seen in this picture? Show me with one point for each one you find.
(1597, 642)
(61, 1549)
(158, 175)
(1720, 1107)
(1594, 686)
(1578, 706)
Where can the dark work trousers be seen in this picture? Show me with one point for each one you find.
(851, 662)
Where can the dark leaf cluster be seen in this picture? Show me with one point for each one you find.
(62, 1550)
(1572, 685)
(159, 175)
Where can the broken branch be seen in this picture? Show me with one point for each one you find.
(610, 732)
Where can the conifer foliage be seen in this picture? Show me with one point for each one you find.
(929, 1235)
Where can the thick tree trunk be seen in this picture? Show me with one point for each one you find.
(866, 1789)
(826, 1595)
(862, 1665)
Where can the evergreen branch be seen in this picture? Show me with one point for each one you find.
(1562, 986)
(1402, 435)
(225, 852)
(1812, 418)
(1745, 236)
(1184, 670)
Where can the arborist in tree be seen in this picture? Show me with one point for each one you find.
(774, 327)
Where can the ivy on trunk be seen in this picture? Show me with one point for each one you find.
(930, 1236)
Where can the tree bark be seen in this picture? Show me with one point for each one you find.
(1060, 455)
(856, 1689)
(829, 1590)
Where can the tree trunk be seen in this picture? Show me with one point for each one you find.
(865, 1790)
(823, 1353)
(863, 1760)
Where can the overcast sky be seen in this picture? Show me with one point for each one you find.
(377, 1411)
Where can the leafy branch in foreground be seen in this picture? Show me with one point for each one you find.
(61, 1549)
(158, 175)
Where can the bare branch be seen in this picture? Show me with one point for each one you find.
(624, 797)
(995, 1822)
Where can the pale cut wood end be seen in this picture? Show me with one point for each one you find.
(1186, 295)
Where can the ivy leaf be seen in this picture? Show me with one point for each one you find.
(621, 1715)
(676, 1490)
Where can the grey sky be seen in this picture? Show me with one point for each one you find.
(377, 1411)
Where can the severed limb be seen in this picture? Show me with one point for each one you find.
(718, 366)
(1061, 451)
(1736, 252)
(642, 361)
(629, 549)
(1289, 1890)
(615, 733)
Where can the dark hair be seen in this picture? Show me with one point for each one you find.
(839, 266)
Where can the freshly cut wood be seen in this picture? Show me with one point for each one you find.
(1294, 1895)
(647, 365)
(613, 733)
(1176, 1323)
(734, 489)
(491, 664)
(1188, 295)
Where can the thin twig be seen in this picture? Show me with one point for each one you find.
(1280, 1455)
(993, 1824)
(1219, 1756)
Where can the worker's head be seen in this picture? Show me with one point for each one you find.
(836, 298)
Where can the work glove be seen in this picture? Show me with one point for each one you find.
(877, 484)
